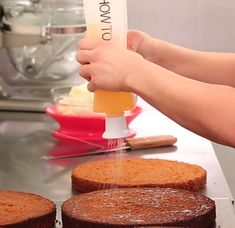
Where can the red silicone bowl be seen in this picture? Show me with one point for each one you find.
(87, 127)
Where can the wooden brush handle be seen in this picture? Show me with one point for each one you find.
(150, 142)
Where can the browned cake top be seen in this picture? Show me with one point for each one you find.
(17, 207)
(146, 206)
(141, 172)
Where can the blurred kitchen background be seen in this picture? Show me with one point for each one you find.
(37, 63)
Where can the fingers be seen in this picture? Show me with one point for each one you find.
(85, 45)
(91, 87)
(86, 57)
(84, 71)
(83, 57)
(88, 44)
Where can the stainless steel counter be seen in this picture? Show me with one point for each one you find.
(25, 137)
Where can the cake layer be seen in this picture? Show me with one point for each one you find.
(137, 172)
(139, 207)
(20, 209)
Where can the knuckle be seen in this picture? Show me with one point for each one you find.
(97, 55)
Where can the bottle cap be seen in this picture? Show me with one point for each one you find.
(116, 127)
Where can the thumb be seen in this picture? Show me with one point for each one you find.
(135, 39)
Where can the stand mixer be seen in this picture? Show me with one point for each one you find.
(39, 42)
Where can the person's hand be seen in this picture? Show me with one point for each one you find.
(136, 39)
(141, 43)
(107, 66)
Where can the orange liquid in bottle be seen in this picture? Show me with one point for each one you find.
(113, 103)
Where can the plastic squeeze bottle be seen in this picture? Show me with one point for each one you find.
(107, 20)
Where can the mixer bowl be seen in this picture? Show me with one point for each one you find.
(41, 37)
(88, 127)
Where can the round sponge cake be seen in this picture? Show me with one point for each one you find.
(137, 172)
(139, 207)
(19, 209)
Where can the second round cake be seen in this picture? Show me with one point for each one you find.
(139, 207)
(137, 172)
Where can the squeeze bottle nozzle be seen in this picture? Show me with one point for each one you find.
(116, 127)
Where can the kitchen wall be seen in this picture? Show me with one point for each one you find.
(199, 24)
